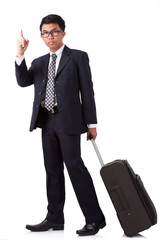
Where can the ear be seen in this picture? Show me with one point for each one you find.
(64, 33)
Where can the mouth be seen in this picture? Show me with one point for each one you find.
(51, 43)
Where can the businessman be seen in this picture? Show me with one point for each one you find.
(64, 108)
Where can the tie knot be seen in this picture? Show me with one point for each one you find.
(54, 56)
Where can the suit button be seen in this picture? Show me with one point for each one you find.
(43, 80)
(37, 105)
(39, 93)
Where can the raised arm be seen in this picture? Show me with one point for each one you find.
(23, 75)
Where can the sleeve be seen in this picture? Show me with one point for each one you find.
(86, 90)
(23, 75)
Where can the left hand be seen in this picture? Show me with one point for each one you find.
(93, 132)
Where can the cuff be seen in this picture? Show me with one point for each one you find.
(92, 125)
(19, 60)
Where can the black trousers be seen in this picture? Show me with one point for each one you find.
(60, 148)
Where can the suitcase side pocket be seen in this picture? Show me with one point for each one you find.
(118, 199)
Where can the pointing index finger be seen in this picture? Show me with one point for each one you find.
(21, 34)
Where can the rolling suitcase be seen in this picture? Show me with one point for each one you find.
(135, 210)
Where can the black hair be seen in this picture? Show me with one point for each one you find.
(53, 18)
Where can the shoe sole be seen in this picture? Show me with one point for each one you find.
(54, 228)
(92, 233)
(103, 225)
(57, 228)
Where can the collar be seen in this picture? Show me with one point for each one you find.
(59, 51)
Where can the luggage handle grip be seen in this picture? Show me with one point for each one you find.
(96, 150)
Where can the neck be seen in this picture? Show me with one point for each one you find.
(53, 50)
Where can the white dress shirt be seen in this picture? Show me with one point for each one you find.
(58, 54)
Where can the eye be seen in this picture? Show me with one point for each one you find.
(45, 34)
(53, 31)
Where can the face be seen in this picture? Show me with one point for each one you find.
(54, 43)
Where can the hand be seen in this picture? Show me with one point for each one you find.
(22, 45)
(93, 132)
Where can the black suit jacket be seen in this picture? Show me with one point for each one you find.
(74, 89)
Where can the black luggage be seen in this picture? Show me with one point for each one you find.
(135, 210)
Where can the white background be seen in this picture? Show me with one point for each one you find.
(122, 38)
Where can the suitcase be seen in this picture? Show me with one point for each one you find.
(135, 210)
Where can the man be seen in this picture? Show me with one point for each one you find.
(64, 107)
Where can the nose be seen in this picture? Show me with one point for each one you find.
(50, 35)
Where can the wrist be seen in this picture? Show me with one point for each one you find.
(19, 55)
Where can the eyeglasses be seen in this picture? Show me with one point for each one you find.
(54, 33)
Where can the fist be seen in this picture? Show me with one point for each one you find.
(93, 132)
(22, 45)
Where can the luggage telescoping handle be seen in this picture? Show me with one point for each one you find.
(96, 150)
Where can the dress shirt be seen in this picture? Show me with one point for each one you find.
(58, 54)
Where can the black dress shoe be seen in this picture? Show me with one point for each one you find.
(91, 229)
(45, 226)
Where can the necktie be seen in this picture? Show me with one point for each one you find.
(50, 90)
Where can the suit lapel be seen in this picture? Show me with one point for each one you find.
(44, 64)
(64, 59)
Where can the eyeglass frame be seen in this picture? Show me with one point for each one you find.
(51, 32)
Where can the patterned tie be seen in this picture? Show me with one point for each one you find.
(50, 90)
